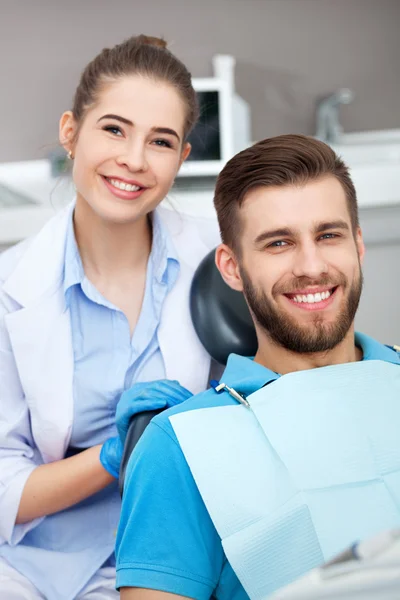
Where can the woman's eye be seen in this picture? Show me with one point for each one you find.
(163, 143)
(114, 129)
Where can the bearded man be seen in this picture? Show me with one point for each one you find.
(296, 453)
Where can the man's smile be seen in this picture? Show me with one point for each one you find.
(313, 300)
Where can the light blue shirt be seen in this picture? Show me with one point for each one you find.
(166, 539)
(107, 360)
(62, 553)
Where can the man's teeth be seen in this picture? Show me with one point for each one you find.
(311, 298)
(124, 186)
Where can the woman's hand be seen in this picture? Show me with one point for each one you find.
(111, 455)
(143, 397)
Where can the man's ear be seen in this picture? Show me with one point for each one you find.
(360, 245)
(228, 266)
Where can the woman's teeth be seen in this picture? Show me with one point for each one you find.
(124, 186)
(311, 298)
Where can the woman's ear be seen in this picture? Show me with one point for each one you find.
(185, 153)
(228, 266)
(67, 131)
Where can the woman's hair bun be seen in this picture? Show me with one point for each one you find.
(152, 41)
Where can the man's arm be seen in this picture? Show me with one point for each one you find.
(166, 541)
(141, 594)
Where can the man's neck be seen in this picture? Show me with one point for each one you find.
(282, 361)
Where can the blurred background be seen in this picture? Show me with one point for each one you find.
(329, 68)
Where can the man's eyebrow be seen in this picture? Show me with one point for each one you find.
(326, 225)
(165, 130)
(273, 233)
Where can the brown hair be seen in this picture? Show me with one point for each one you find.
(138, 55)
(278, 161)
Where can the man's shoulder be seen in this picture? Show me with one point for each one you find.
(375, 350)
(396, 349)
(207, 399)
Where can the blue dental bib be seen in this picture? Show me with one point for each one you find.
(311, 466)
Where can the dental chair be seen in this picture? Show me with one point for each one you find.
(369, 570)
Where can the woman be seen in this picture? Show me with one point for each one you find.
(96, 302)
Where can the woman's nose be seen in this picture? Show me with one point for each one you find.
(134, 157)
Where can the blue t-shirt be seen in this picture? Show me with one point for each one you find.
(166, 540)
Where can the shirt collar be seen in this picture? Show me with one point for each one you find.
(373, 350)
(163, 256)
(247, 376)
(73, 268)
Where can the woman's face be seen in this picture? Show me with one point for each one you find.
(129, 148)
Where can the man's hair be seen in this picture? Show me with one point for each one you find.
(279, 161)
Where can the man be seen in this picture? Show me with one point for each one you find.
(296, 453)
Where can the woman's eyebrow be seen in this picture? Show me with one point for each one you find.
(117, 118)
(165, 130)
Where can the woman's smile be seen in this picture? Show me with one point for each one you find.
(122, 189)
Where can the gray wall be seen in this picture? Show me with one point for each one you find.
(289, 53)
(379, 311)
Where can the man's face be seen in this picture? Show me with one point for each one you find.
(300, 266)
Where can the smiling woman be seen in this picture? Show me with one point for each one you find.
(104, 286)
(127, 152)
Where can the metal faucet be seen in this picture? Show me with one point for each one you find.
(328, 127)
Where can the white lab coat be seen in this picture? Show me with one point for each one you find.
(36, 355)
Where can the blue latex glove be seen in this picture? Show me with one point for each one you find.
(143, 397)
(111, 455)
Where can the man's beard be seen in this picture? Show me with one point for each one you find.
(316, 336)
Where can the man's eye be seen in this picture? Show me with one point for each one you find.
(114, 129)
(278, 244)
(328, 236)
(162, 143)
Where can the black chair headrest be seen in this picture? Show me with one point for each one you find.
(220, 315)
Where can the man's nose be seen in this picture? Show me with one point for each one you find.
(309, 262)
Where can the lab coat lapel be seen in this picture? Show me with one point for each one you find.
(40, 335)
(184, 356)
(41, 339)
